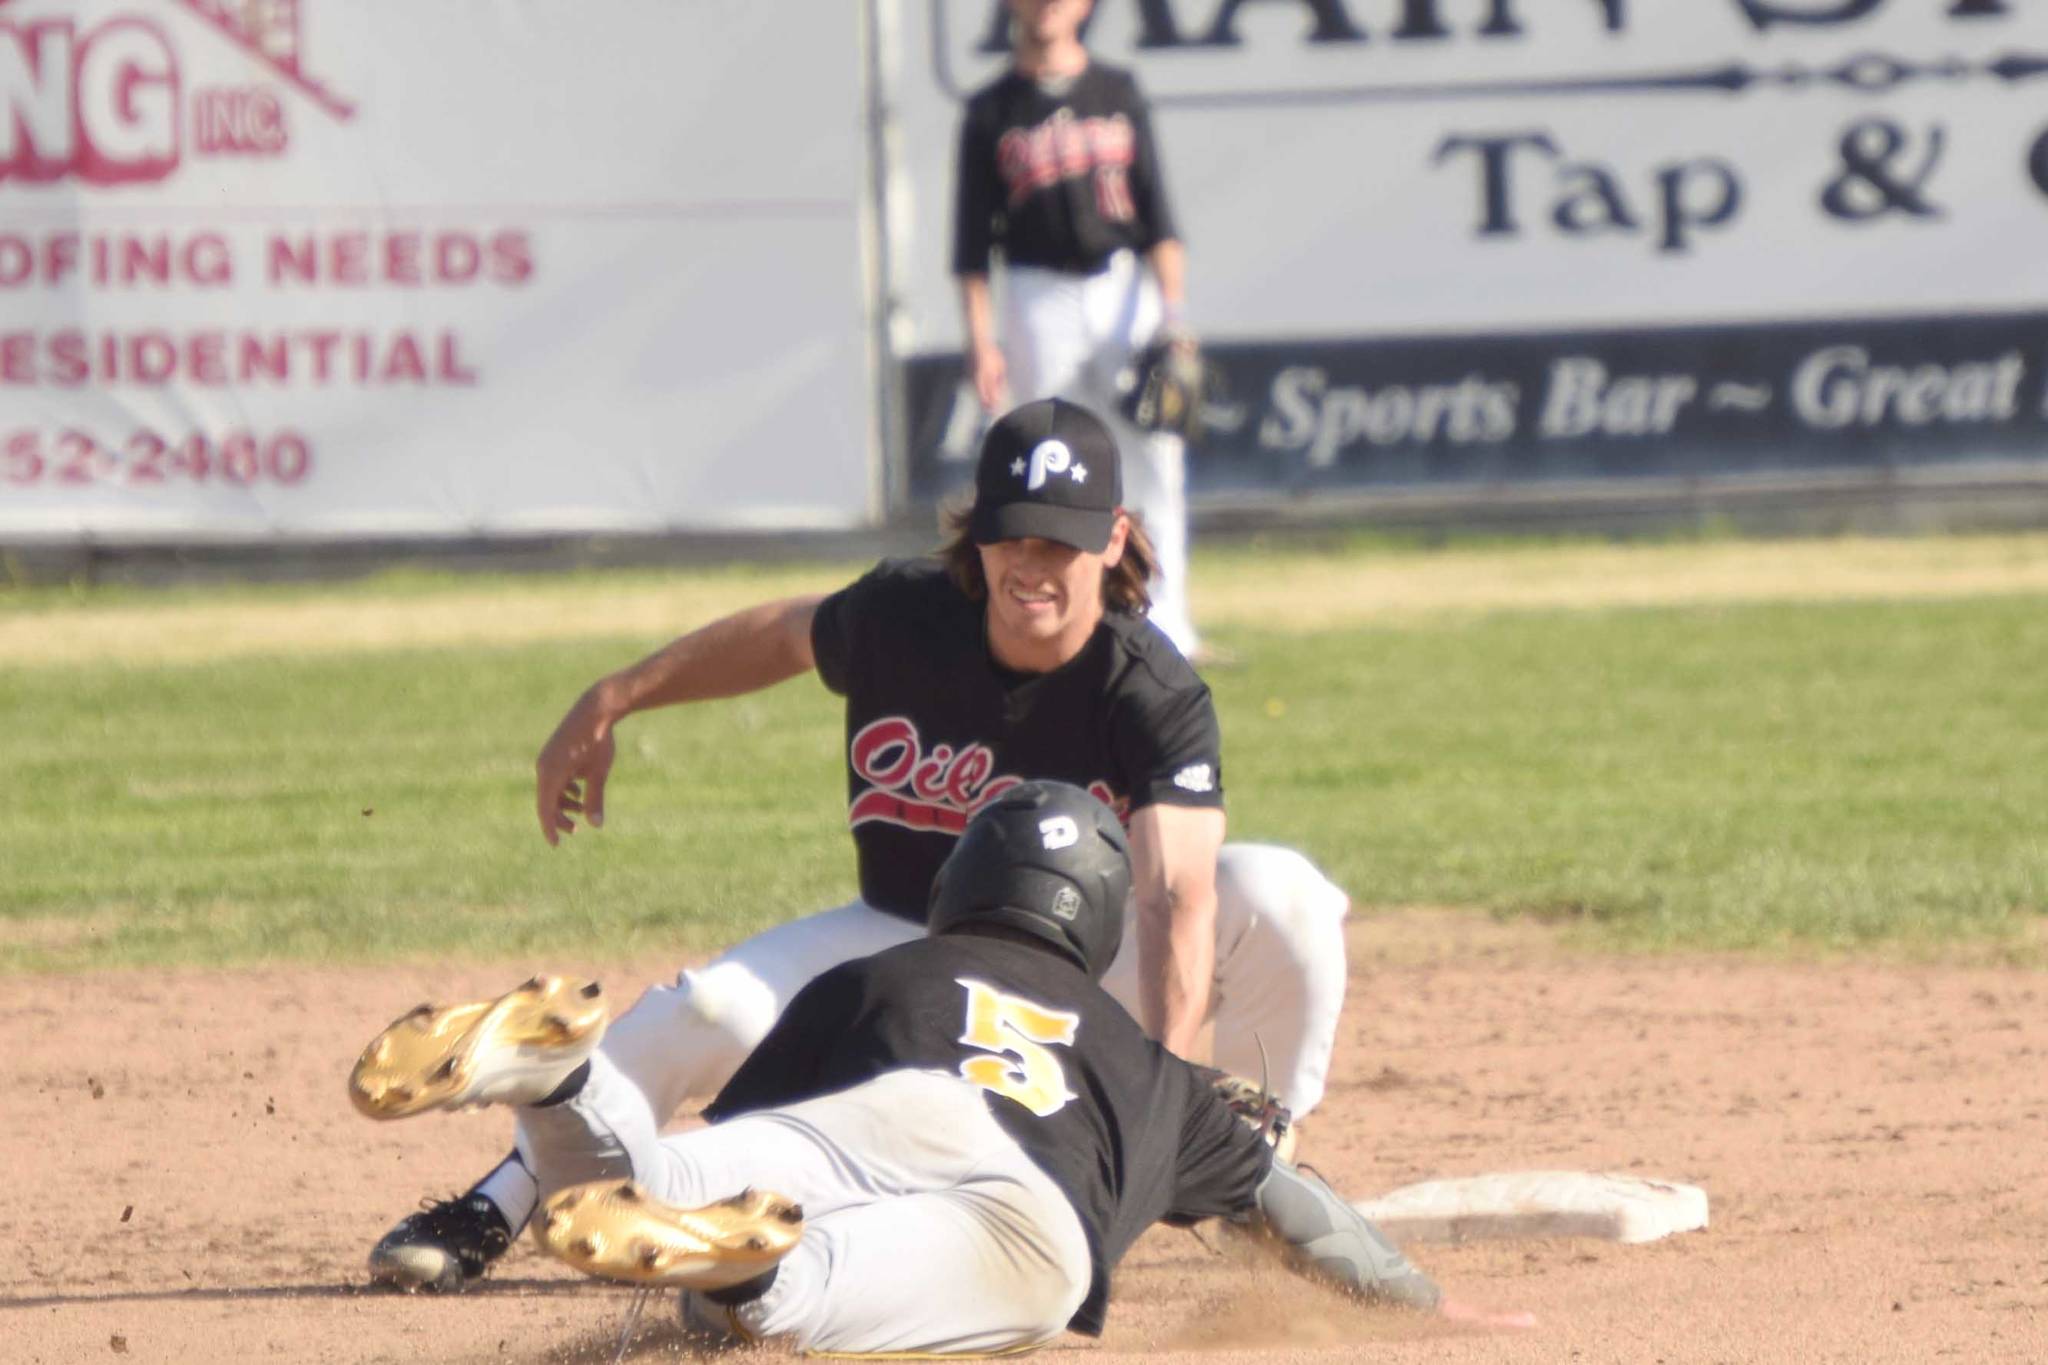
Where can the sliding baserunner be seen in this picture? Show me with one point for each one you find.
(942, 1148)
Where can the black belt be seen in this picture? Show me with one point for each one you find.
(1078, 268)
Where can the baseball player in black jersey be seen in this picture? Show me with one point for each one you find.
(945, 1147)
(1020, 652)
(1058, 171)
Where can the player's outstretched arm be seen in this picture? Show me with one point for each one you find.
(1173, 889)
(1325, 1238)
(737, 654)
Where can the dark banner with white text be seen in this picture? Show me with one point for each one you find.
(1686, 402)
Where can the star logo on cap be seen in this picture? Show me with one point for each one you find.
(1047, 470)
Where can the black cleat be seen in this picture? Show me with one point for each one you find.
(443, 1248)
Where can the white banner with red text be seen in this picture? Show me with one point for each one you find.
(313, 268)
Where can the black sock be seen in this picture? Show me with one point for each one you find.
(569, 1089)
(746, 1291)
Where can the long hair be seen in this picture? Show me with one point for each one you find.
(1123, 583)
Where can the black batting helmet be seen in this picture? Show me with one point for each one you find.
(1046, 859)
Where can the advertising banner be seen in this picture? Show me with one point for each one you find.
(1443, 241)
(315, 268)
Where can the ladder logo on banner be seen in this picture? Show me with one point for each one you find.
(269, 31)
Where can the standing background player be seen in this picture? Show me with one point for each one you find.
(945, 1147)
(1057, 168)
(1020, 652)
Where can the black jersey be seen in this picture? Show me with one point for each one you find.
(1128, 1131)
(936, 728)
(1057, 176)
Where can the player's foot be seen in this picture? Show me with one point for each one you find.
(516, 1049)
(614, 1229)
(442, 1248)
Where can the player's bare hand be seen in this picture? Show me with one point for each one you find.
(991, 376)
(1471, 1315)
(569, 775)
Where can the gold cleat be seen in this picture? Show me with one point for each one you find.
(512, 1050)
(613, 1229)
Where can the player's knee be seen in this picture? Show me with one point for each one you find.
(1045, 1310)
(1277, 893)
(727, 1009)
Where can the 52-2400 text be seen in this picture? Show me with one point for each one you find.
(145, 458)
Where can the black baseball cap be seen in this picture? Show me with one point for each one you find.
(1048, 469)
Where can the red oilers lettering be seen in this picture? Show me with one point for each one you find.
(885, 752)
(969, 775)
(940, 790)
(929, 778)
(1065, 148)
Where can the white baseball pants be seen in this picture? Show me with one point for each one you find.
(1066, 336)
(1278, 992)
(927, 1228)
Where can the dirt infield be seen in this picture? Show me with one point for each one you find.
(188, 1182)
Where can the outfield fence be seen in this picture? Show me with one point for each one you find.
(303, 273)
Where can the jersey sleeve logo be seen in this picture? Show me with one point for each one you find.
(1196, 777)
(1020, 1036)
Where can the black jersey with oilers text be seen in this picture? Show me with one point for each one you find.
(1127, 1130)
(936, 728)
(1059, 175)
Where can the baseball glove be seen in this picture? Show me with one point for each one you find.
(1256, 1105)
(1166, 385)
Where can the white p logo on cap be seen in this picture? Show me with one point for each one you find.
(1047, 457)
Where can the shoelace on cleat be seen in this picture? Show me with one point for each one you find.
(466, 1224)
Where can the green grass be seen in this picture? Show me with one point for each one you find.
(1753, 777)
(1829, 776)
(409, 583)
(377, 805)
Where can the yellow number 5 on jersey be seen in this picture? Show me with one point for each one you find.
(1022, 1034)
